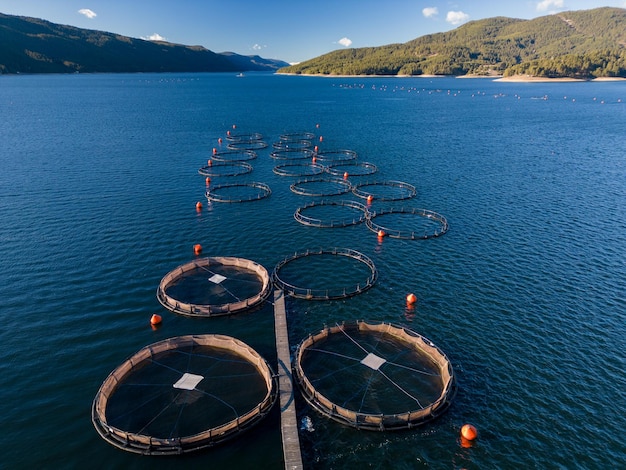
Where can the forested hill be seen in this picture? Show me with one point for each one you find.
(30, 45)
(577, 44)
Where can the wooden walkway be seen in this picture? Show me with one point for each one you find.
(288, 419)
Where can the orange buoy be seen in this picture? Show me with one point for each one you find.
(381, 233)
(214, 151)
(198, 206)
(197, 249)
(315, 149)
(314, 159)
(411, 299)
(469, 432)
(370, 198)
(207, 181)
(321, 138)
(155, 319)
(219, 141)
(345, 175)
(227, 132)
(210, 162)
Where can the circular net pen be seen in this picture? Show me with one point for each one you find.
(299, 169)
(292, 144)
(351, 168)
(321, 187)
(337, 155)
(238, 192)
(247, 145)
(295, 136)
(374, 376)
(385, 190)
(207, 287)
(232, 168)
(292, 154)
(332, 214)
(184, 394)
(325, 274)
(249, 137)
(234, 155)
(420, 224)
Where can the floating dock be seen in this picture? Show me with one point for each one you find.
(288, 419)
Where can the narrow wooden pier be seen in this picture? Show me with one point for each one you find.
(288, 419)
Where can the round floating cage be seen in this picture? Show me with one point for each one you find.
(332, 214)
(374, 376)
(184, 394)
(292, 154)
(250, 137)
(299, 169)
(430, 223)
(238, 192)
(321, 187)
(352, 168)
(223, 168)
(337, 155)
(207, 287)
(295, 136)
(247, 145)
(234, 155)
(292, 144)
(385, 190)
(324, 274)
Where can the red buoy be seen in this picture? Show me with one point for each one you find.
(469, 432)
(345, 175)
(207, 181)
(219, 140)
(411, 299)
(314, 159)
(155, 319)
(214, 151)
(321, 138)
(198, 206)
(370, 198)
(197, 249)
(315, 149)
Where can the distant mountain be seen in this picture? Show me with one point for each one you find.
(31, 45)
(580, 44)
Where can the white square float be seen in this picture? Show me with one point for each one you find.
(373, 361)
(188, 381)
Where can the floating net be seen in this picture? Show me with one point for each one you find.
(208, 287)
(291, 136)
(292, 154)
(374, 376)
(234, 155)
(250, 137)
(238, 192)
(184, 394)
(247, 145)
(321, 187)
(332, 214)
(337, 155)
(385, 190)
(351, 168)
(325, 274)
(222, 168)
(420, 223)
(292, 144)
(299, 169)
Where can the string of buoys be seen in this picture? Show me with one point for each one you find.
(197, 249)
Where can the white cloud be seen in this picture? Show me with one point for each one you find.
(546, 5)
(456, 17)
(429, 12)
(154, 37)
(345, 42)
(258, 47)
(87, 12)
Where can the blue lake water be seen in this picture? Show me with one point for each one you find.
(526, 293)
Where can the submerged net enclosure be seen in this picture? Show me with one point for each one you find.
(184, 394)
(336, 214)
(415, 224)
(374, 376)
(325, 274)
(214, 286)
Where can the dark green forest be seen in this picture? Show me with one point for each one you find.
(577, 44)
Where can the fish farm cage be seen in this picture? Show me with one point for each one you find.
(374, 376)
(184, 394)
(214, 286)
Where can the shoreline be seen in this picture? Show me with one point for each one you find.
(495, 78)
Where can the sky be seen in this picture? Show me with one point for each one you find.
(289, 30)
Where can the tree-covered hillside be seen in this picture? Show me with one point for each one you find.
(30, 45)
(581, 44)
